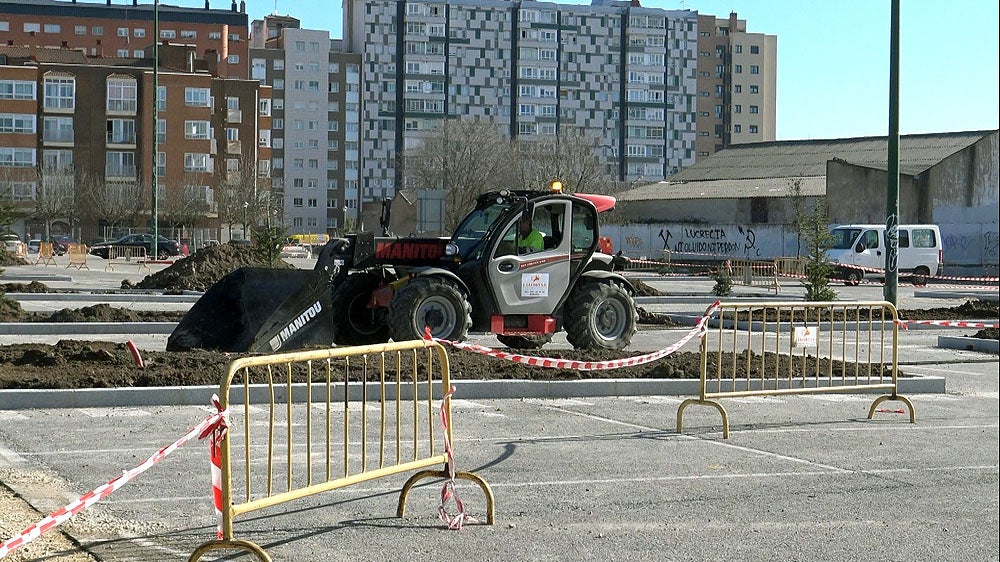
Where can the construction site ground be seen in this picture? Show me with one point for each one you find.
(599, 478)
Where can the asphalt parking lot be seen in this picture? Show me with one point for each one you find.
(596, 478)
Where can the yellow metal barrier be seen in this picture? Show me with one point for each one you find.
(755, 274)
(792, 267)
(318, 428)
(767, 349)
(46, 254)
(21, 250)
(126, 254)
(77, 256)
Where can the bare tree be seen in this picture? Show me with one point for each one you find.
(570, 157)
(187, 204)
(55, 197)
(118, 204)
(245, 196)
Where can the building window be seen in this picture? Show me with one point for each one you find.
(196, 162)
(754, 109)
(188, 34)
(197, 129)
(215, 35)
(161, 98)
(161, 164)
(17, 123)
(233, 59)
(161, 131)
(754, 69)
(17, 157)
(79, 30)
(122, 94)
(59, 160)
(139, 32)
(738, 108)
(738, 89)
(754, 49)
(29, 27)
(738, 48)
(753, 129)
(4, 26)
(168, 34)
(123, 32)
(119, 165)
(258, 69)
(297, 202)
(737, 129)
(17, 90)
(122, 53)
(197, 97)
(121, 131)
(754, 89)
(57, 129)
(60, 93)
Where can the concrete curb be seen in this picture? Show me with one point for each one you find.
(466, 389)
(73, 329)
(969, 344)
(105, 297)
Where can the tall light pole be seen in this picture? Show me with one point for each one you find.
(892, 164)
(156, 105)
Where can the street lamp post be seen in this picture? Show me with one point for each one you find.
(156, 104)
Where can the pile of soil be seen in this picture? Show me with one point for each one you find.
(81, 364)
(7, 258)
(11, 311)
(204, 268)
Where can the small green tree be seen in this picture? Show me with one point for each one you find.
(818, 268)
(267, 243)
(723, 281)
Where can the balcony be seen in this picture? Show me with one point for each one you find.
(234, 116)
(120, 172)
(121, 139)
(62, 136)
(234, 147)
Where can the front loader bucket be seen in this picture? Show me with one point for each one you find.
(229, 316)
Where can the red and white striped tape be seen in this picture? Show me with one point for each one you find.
(552, 363)
(215, 458)
(448, 491)
(944, 277)
(63, 514)
(951, 323)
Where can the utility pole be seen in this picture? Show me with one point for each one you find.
(156, 105)
(892, 165)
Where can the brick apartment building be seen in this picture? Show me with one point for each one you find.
(77, 142)
(124, 30)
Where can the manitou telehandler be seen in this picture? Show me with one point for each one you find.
(367, 290)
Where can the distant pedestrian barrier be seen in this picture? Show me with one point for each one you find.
(755, 274)
(46, 254)
(336, 432)
(768, 349)
(790, 267)
(126, 255)
(77, 256)
(21, 250)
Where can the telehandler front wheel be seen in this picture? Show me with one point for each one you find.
(601, 316)
(356, 323)
(431, 302)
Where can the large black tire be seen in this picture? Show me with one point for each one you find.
(920, 276)
(852, 277)
(534, 341)
(600, 316)
(429, 301)
(356, 324)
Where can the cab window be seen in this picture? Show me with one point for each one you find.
(868, 241)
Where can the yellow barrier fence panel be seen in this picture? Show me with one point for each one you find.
(77, 256)
(308, 422)
(46, 254)
(775, 348)
(127, 255)
(755, 274)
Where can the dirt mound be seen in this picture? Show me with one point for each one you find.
(107, 313)
(204, 268)
(988, 334)
(33, 287)
(10, 310)
(7, 258)
(971, 309)
(644, 290)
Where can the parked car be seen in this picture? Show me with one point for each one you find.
(61, 243)
(34, 246)
(295, 251)
(10, 242)
(164, 247)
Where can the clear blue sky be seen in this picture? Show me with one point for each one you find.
(833, 59)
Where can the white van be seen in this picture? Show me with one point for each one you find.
(863, 245)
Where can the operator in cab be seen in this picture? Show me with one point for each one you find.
(528, 238)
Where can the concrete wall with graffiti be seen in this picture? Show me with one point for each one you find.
(970, 245)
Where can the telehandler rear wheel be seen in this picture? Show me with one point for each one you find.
(534, 341)
(433, 302)
(600, 316)
(356, 324)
